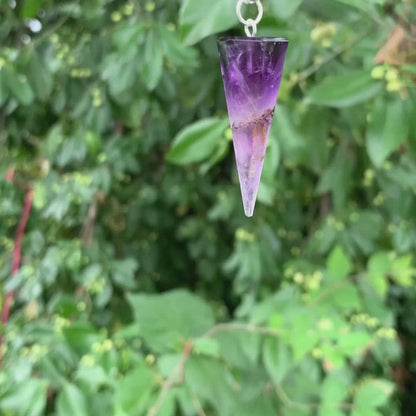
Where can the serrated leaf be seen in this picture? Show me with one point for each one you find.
(372, 394)
(337, 177)
(333, 389)
(133, 391)
(168, 319)
(211, 381)
(403, 270)
(378, 266)
(345, 297)
(344, 90)
(277, 357)
(333, 392)
(197, 141)
(239, 348)
(122, 273)
(338, 264)
(387, 130)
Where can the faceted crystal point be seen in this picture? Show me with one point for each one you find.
(251, 70)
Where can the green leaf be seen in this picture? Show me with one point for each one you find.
(31, 8)
(329, 410)
(338, 264)
(284, 9)
(365, 230)
(120, 73)
(211, 381)
(302, 322)
(80, 336)
(94, 376)
(303, 139)
(268, 176)
(197, 141)
(134, 390)
(207, 346)
(402, 270)
(334, 390)
(387, 130)
(18, 86)
(359, 4)
(378, 266)
(354, 343)
(123, 272)
(372, 394)
(175, 50)
(40, 79)
(344, 90)
(260, 406)
(166, 320)
(3, 89)
(74, 150)
(239, 348)
(337, 177)
(200, 19)
(345, 297)
(71, 401)
(128, 37)
(152, 68)
(28, 398)
(277, 359)
(365, 412)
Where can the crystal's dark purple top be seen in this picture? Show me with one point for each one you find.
(252, 70)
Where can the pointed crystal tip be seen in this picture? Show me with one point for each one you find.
(249, 208)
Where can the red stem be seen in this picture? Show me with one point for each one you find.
(17, 254)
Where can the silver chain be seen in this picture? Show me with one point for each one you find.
(250, 25)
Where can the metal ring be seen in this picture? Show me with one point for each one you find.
(250, 22)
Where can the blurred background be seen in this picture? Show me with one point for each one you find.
(142, 287)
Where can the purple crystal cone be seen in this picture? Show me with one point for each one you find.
(251, 70)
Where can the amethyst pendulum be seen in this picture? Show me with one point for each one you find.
(251, 69)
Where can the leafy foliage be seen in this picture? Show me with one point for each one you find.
(143, 289)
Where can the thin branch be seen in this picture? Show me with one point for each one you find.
(197, 404)
(170, 381)
(16, 251)
(179, 370)
(87, 234)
